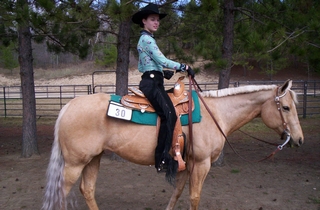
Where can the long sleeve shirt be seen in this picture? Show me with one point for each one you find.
(150, 56)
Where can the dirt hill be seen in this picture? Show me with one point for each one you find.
(82, 75)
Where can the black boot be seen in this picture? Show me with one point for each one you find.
(161, 162)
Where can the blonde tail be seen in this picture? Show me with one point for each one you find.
(54, 197)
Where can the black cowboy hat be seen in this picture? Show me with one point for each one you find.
(147, 10)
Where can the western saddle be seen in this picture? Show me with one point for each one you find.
(179, 97)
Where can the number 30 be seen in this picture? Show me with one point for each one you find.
(121, 113)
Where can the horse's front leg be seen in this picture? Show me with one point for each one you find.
(181, 179)
(197, 177)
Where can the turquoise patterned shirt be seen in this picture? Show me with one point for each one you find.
(150, 56)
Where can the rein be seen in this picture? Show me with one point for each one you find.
(190, 145)
(277, 100)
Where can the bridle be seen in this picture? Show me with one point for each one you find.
(285, 125)
(276, 99)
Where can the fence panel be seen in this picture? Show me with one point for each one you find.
(50, 99)
(310, 98)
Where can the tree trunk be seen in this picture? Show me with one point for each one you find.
(227, 46)
(123, 48)
(29, 128)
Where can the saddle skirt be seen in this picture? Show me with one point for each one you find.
(180, 101)
(179, 97)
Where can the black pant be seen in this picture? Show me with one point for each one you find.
(152, 87)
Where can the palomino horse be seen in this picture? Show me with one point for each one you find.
(83, 132)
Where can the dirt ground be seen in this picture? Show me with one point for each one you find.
(291, 181)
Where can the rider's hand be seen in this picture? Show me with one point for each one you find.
(190, 72)
(184, 67)
(168, 74)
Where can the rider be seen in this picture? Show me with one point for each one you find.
(151, 64)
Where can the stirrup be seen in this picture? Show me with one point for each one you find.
(178, 157)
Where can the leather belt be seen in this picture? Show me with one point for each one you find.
(152, 74)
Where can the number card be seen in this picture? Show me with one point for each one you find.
(119, 111)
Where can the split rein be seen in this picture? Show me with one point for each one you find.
(192, 82)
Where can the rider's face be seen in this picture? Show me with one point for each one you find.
(152, 23)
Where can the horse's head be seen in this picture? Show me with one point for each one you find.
(280, 114)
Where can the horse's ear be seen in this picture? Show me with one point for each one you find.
(286, 85)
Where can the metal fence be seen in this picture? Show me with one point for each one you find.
(50, 99)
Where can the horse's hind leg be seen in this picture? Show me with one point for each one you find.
(71, 175)
(181, 179)
(88, 182)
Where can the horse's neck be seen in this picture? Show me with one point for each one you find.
(232, 112)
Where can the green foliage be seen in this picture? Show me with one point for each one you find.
(208, 65)
(106, 54)
(7, 58)
(204, 37)
(73, 26)
(221, 63)
(242, 59)
(119, 11)
(109, 57)
(66, 26)
(269, 32)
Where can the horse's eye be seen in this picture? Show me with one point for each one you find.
(286, 108)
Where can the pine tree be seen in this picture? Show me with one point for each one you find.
(272, 32)
(64, 26)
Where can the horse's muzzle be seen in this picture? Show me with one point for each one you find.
(298, 143)
(285, 135)
(291, 142)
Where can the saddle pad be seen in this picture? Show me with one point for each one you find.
(150, 118)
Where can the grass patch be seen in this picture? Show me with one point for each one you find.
(17, 121)
(310, 123)
(11, 121)
(255, 125)
(314, 200)
(235, 171)
(46, 121)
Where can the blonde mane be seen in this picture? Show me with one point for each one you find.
(243, 90)
(236, 90)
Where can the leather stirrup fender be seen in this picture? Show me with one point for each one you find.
(178, 145)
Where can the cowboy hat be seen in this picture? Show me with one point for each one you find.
(147, 10)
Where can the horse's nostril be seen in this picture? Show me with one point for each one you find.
(300, 142)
